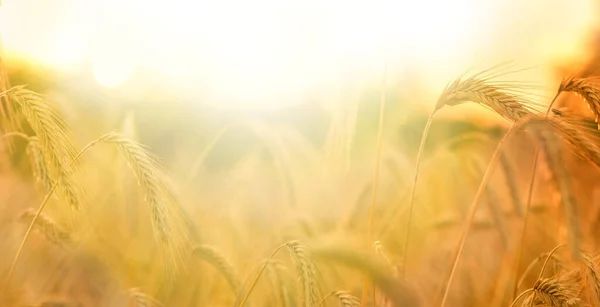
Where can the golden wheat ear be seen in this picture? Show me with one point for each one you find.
(307, 272)
(52, 231)
(586, 88)
(591, 279)
(217, 260)
(172, 229)
(54, 141)
(552, 291)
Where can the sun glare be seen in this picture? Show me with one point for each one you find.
(245, 54)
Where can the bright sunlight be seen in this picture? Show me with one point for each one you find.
(250, 54)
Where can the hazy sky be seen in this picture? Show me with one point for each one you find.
(260, 51)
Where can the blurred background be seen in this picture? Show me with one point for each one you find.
(183, 67)
(266, 114)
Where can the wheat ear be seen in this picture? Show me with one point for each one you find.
(532, 265)
(38, 164)
(307, 272)
(53, 232)
(552, 292)
(169, 224)
(51, 131)
(217, 260)
(541, 275)
(592, 279)
(586, 89)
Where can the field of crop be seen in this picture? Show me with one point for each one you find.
(364, 200)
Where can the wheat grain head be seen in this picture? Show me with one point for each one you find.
(53, 232)
(307, 272)
(216, 259)
(587, 89)
(171, 228)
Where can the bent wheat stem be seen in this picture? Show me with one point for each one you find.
(255, 281)
(39, 211)
(413, 190)
(473, 208)
(375, 181)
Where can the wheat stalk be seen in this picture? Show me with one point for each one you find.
(502, 97)
(217, 260)
(275, 272)
(510, 176)
(41, 208)
(550, 145)
(532, 265)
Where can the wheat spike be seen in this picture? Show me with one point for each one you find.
(36, 159)
(587, 89)
(54, 233)
(592, 279)
(54, 141)
(307, 272)
(552, 292)
(170, 226)
(481, 88)
(51, 131)
(217, 260)
(583, 141)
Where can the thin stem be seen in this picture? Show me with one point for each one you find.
(520, 296)
(39, 211)
(382, 100)
(260, 273)
(413, 189)
(530, 268)
(326, 297)
(473, 208)
(548, 259)
(526, 219)
(529, 197)
(15, 133)
(544, 268)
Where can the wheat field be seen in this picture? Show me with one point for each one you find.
(356, 204)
